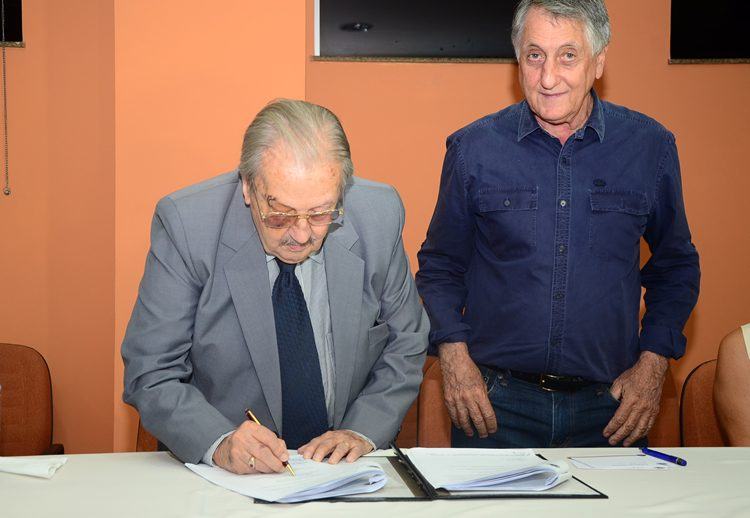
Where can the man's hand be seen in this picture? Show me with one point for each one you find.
(639, 391)
(251, 448)
(335, 445)
(464, 391)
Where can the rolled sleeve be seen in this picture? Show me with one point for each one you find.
(663, 341)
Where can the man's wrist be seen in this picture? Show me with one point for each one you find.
(655, 359)
(446, 349)
(364, 438)
(208, 457)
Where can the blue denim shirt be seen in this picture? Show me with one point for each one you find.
(532, 256)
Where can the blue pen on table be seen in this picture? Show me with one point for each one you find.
(664, 456)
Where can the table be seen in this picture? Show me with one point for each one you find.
(715, 483)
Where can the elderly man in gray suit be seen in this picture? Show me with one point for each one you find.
(284, 288)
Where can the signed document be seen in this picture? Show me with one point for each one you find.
(314, 480)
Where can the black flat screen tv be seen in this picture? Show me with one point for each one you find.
(416, 28)
(710, 31)
(11, 28)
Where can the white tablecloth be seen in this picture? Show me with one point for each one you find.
(716, 483)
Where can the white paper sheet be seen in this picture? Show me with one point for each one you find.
(42, 466)
(481, 469)
(313, 480)
(634, 461)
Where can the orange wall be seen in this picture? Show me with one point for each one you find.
(397, 116)
(115, 103)
(189, 79)
(57, 227)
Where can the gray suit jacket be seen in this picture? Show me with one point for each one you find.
(201, 343)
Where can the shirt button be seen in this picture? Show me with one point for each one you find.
(561, 249)
(558, 295)
(563, 203)
(565, 160)
(506, 202)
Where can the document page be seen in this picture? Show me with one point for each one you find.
(480, 469)
(314, 480)
(636, 461)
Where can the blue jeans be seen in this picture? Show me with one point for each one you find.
(530, 417)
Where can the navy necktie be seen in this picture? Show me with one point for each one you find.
(303, 405)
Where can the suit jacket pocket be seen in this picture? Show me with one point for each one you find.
(377, 339)
(506, 220)
(377, 336)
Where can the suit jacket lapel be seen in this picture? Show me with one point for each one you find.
(247, 275)
(344, 276)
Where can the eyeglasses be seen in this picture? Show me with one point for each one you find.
(287, 219)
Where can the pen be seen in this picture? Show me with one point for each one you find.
(252, 417)
(664, 456)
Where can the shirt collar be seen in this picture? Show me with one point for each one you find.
(527, 123)
(315, 256)
(596, 119)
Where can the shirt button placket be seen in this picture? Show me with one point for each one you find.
(560, 268)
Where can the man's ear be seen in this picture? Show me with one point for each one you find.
(246, 191)
(600, 62)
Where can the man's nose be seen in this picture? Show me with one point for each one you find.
(301, 230)
(549, 74)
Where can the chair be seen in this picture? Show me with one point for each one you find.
(666, 429)
(25, 403)
(434, 425)
(698, 423)
(144, 440)
(409, 433)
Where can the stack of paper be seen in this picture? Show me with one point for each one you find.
(314, 480)
(477, 469)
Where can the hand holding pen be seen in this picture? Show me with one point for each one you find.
(254, 419)
(251, 448)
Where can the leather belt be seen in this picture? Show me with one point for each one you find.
(553, 382)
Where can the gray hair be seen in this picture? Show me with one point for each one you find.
(593, 14)
(310, 131)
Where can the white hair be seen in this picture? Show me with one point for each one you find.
(310, 132)
(593, 14)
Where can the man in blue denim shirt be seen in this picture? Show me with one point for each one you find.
(530, 270)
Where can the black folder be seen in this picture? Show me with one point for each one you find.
(431, 493)
(421, 490)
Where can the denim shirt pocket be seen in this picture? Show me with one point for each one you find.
(506, 220)
(617, 222)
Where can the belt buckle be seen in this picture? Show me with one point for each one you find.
(548, 378)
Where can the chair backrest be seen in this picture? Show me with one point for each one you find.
(407, 436)
(666, 429)
(698, 423)
(434, 424)
(25, 401)
(144, 440)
